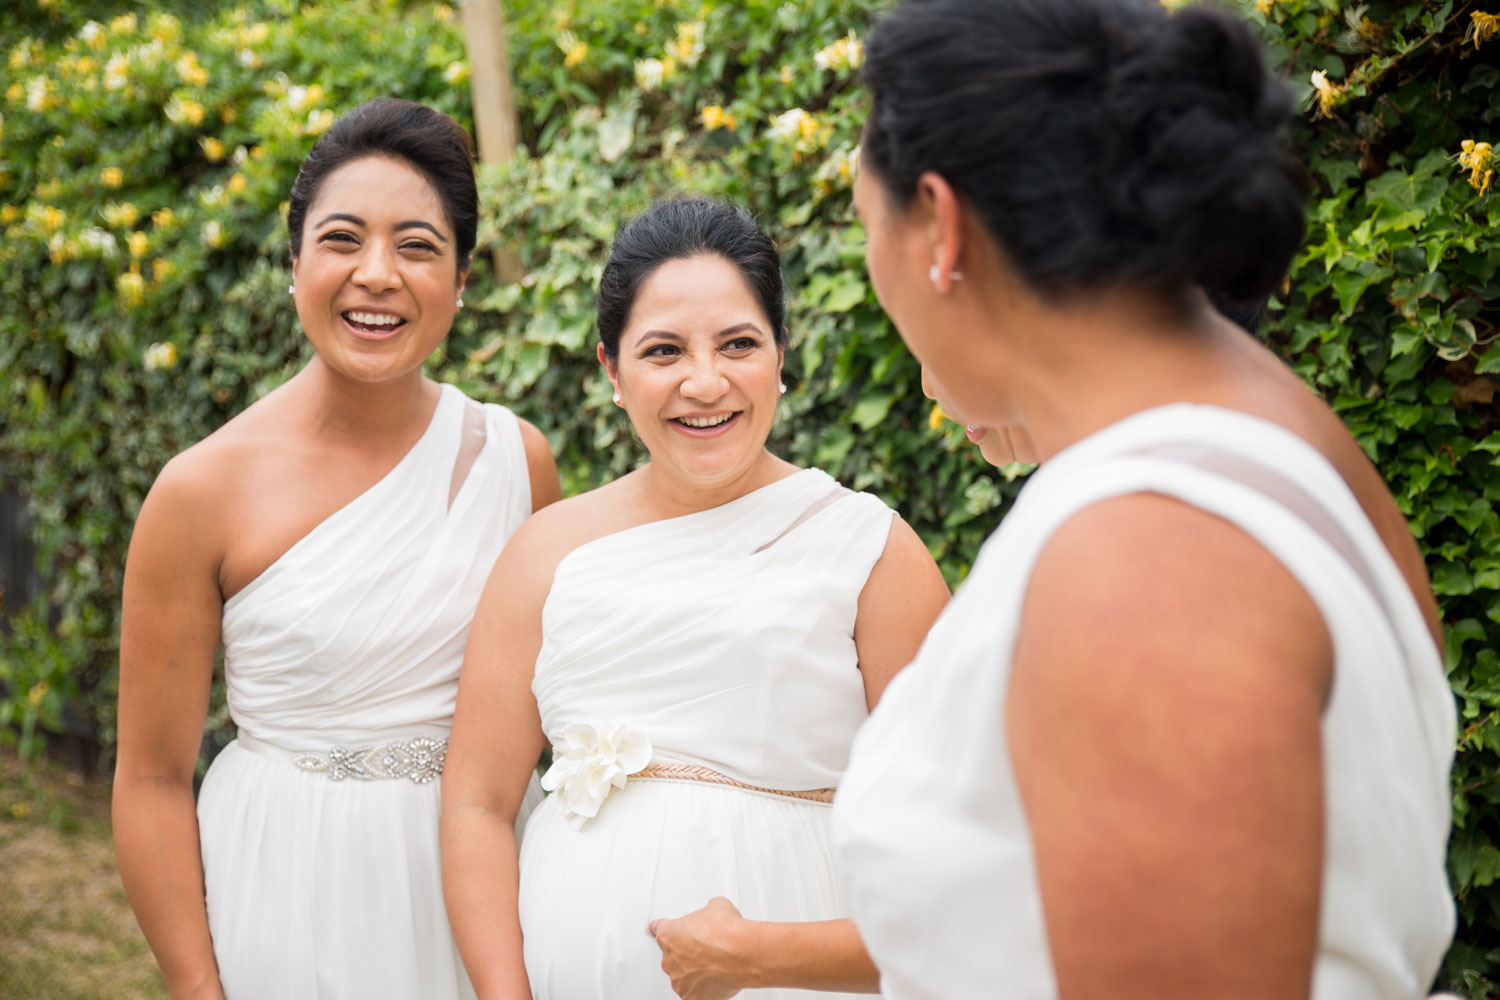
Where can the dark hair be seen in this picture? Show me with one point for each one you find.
(676, 230)
(428, 141)
(1103, 142)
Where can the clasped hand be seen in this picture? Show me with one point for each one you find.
(704, 952)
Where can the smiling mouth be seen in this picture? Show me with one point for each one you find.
(706, 425)
(364, 321)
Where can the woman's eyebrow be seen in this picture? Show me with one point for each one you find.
(408, 224)
(418, 224)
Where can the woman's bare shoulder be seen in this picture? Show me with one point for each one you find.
(545, 538)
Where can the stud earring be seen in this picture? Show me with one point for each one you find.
(782, 387)
(617, 399)
(933, 274)
(291, 289)
(460, 302)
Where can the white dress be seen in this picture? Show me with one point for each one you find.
(723, 639)
(322, 883)
(931, 837)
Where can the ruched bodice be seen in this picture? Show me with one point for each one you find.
(322, 884)
(931, 835)
(725, 639)
(359, 629)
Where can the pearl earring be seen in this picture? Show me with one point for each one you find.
(933, 274)
(460, 303)
(291, 289)
(617, 398)
(782, 387)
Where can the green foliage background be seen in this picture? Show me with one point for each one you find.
(116, 354)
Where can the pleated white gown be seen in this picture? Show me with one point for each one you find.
(931, 834)
(320, 889)
(725, 638)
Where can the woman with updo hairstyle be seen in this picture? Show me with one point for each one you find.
(1184, 730)
(697, 642)
(333, 540)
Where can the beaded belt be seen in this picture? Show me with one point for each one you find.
(418, 760)
(692, 772)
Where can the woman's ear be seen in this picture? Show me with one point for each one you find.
(463, 279)
(611, 370)
(944, 223)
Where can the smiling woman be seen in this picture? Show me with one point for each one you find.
(333, 538)
(698, 642)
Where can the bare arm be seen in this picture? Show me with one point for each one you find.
(496, 741)
(1164, 719)
(170, 629)
(545, 489)
(714, 952)
(902, 598)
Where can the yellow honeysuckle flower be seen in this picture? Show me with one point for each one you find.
(125, 24)
(212, 148)
(112, 177)
(162, 218)
(456, 73)
(15, 93)
(190, 72)
(1476, 158)
(577, 54)
(1482, 27)
(1328, 93)
(161, 269)
(122, 216)
(139, 243)
(183, 112)
(116, 72)
(687, 47)
(936, 417)
(37, 693)
(93, 35)
(846, 53)
(237, 184)
(159, 356)
(213, 234)
(227, 114)
(715, 117)
(9, 214)
(443, 14)
(1264, 6)
(132, 288)
(53, 218)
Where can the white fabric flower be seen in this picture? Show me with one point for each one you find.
(593, 758)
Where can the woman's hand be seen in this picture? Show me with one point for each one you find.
(703, 953)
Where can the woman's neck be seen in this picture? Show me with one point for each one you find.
(666, 492)
(338, 406)
(1078, 369)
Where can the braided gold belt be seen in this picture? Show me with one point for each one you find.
(692, 772)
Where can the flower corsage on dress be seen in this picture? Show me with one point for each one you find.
(592, 759)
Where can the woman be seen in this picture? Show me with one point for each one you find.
(697, 641)
(334, 537)
(1184, 731)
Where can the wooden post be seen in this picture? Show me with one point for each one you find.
(494, 103)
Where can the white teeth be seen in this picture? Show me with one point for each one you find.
(374, 319)
(705, 421)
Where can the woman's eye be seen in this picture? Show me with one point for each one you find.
(339, 238)
(742, 344)
(419, 246)
(661, 351)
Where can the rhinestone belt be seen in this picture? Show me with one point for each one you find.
(418, 760)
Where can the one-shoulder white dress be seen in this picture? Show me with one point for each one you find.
(930, 830)
(319, 823)
(721, 640)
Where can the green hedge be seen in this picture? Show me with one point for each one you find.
(143, 308)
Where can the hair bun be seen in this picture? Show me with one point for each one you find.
(1196, 159)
